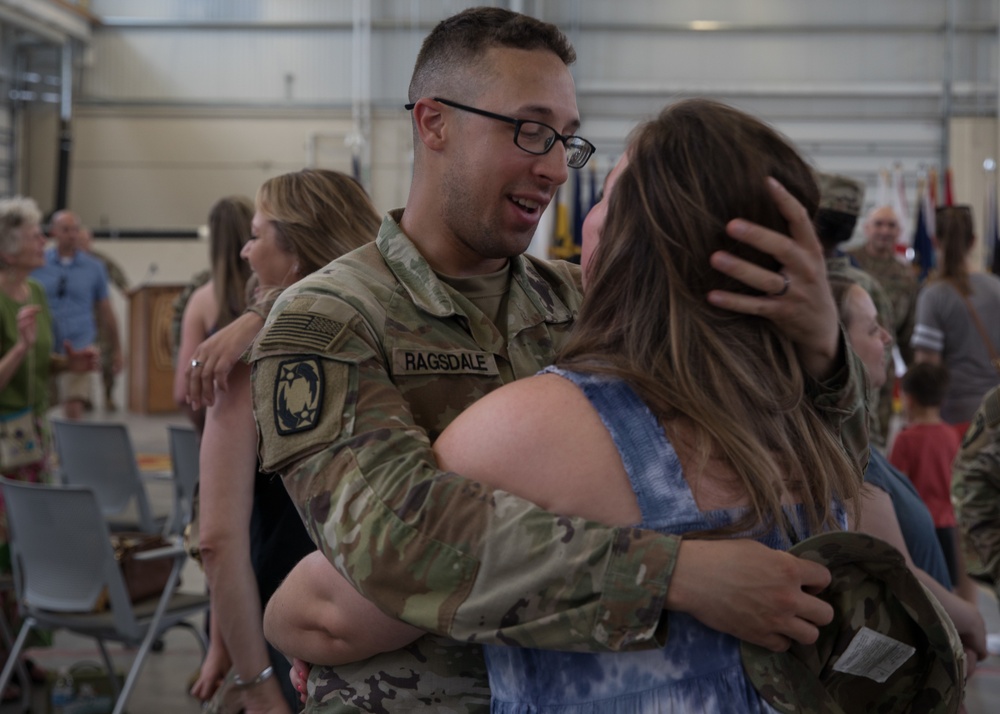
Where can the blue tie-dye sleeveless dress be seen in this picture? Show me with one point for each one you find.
(699, 670)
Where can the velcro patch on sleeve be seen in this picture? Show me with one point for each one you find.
(423, 362)
(302, 330)
(298, 395)
(299, 406)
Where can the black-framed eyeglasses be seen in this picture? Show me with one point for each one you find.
(533, 136)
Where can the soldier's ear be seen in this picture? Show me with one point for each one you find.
(430, 123)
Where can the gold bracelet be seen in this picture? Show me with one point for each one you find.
(265, 675)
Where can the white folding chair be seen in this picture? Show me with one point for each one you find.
(64, 564)
(100, 456)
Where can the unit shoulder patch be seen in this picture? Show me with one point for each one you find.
(298, 395)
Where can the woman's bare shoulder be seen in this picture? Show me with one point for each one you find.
(535, 410)
(540, 439)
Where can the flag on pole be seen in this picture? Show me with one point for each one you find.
(923, 244)
(579, 211)
(991, 235)
(562, 234)
(883, 192)
(901, 207)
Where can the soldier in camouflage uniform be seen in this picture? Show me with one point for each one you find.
(116, 276)
(975, 486)
(840, 204)
(363, 364)
(878, 258)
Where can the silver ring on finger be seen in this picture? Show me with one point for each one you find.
(196, 363)
(784, 288)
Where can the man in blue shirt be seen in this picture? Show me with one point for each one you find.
(76, 285)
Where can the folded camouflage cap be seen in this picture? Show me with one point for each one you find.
(840, 193)
(889, 648)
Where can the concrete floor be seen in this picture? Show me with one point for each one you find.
(163, 683)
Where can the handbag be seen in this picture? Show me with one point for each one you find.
(143, 578)
(994, 358)
(20, 442)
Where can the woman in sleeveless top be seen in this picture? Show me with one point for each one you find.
(668, 410)
(665, 410)
(221, 299)
(250, 532)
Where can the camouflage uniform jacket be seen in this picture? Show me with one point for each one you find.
(900, 284)
(358, 369)
(116, 276)
(975, 486)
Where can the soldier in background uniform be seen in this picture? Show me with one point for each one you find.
(363, 364)
(878, 258)
(116, 276)
(975, 486)
(840, 204)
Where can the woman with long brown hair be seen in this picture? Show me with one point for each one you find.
(956, 319)
(666, 411)
(224, 297)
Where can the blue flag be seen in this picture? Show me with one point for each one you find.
(579, 210)
(923, 246)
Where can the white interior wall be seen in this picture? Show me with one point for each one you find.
(858, 85)
(180, 103)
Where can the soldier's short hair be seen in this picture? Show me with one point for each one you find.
(926, 383)
(460, 41)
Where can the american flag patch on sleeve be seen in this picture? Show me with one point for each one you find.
(301, 329)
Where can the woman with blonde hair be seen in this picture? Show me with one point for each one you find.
(250, 532)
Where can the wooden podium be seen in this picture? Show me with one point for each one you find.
(150, 366)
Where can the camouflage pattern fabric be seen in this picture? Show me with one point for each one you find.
(975, 486)
(116, 276)
(880, 402)
(180, 302)
(890, 647)
(840, 193)
(359, 367)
